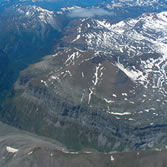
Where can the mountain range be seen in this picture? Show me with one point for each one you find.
(99, 71)
(95, 81)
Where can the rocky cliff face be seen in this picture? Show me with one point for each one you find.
(60, 114)
(22, 149)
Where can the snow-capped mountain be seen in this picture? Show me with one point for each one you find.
(27, 33)
(130, 40)
(134, 51)
(105, 83)
(133, 8)
(115, 3)
(101, 85)
(36, 15)
(29, 25)
(31, 19)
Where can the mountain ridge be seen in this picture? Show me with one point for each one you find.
(85, 93)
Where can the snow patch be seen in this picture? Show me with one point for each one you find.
(11, 149)
(120, 114)
(90, 95)
(112, 158)
(108, 101)
(77, 38)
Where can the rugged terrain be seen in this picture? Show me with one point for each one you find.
(27, 34)
(22, 149)
(101, 87)
(104, 88)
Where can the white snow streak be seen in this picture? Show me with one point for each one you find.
(11, 150)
